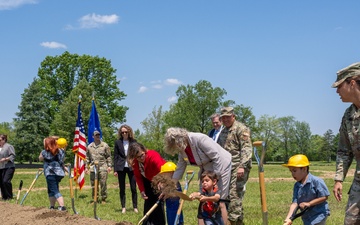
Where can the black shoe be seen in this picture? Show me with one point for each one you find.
(52, 207)
(62, 208)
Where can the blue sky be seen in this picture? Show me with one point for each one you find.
(278, 57)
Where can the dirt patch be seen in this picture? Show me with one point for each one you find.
(13, 214)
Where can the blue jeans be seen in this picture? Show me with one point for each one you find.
(172, 205)
(53, 185)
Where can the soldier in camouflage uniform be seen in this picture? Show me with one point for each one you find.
(235, 138)
(98, 151)
(348, 87)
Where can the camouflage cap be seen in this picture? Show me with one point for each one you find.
(96, 132)
(227, 111)
(350, 71)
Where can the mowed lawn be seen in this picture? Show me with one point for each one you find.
(279, 185)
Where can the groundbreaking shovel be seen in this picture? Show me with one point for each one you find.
(39, 172)
(147, 214)
(18, 194)
(260, 162)
(185, 197)
(187, 182)
(96, 170)
(296, 215)
(71, 189)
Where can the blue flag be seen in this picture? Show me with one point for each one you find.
(94, 123)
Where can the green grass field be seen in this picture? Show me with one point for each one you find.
(279, 185)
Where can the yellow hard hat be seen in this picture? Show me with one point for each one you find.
(168, 167)
(61, 142)
(297, 161)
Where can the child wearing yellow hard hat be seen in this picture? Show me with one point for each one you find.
(309, 192)
(172, 204)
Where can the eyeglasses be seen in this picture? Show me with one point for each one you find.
(141, 155)
(97, 134)
(124, 132)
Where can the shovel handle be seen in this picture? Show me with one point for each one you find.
(95, 188)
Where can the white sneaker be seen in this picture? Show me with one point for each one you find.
(123, 210)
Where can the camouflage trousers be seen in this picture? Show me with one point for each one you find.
(352, 214)
(236, 195)
(102, 177)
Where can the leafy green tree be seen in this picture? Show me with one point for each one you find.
(244, 115)
(286, 125)
(154, 130)
(65, 119)
(328, 149)
(316, 143)
(32, 123)
(301, 137)
(194, 107)
(59, 75)
(8, 129)
(268, 131)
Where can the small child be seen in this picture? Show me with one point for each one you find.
(172, 203)
(209, 198)
(309, 192)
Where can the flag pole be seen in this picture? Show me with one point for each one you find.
(79, 149)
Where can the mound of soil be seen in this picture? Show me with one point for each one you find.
(14, 214)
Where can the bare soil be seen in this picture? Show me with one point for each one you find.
(14, 214)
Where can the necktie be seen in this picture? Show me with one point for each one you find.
(214, 135)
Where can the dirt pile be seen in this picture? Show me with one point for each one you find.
(13, 214)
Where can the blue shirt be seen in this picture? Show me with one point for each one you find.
(314, 187)
(53, 164)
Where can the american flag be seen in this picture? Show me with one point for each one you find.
(79, 149)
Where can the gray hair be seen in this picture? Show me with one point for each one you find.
(214, 116)
(176, 140)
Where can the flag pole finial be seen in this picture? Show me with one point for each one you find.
(80, 97)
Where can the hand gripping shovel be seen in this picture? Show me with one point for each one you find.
(296, 215)
(71, 189)
(187, 198)
(18, 194)
(260, 162)
(96, 170)
(187, 182)
(39, 172)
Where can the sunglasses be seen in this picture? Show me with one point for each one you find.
(124, 132)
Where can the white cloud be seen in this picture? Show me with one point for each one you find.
(95, 21)
(172, 99)
(123, 78)
(157, 86)
(11, 4)
(172, 81)
(52, 44)
(142, 89)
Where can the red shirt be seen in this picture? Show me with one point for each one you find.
(190, 155)
(152, 166)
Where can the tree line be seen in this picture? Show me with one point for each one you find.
(49, 107)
